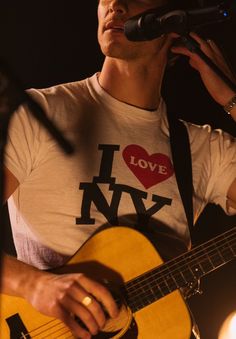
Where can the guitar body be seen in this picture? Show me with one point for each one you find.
(117, 255)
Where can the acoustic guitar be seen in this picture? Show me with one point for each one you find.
(148, 290)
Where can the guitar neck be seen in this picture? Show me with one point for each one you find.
(181, 271)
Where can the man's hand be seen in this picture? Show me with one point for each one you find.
(217, 88)
(73, 295)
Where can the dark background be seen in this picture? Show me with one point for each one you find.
(49, 42)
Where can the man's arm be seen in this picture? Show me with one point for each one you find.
(64, 293)
(216, 87)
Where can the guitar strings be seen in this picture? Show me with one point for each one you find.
(168, 271)
(27, 335)
(52, 326)
(145, 298)
(163, 268)
(174, 266)
(56, 332)
(144, 289)
(177, 262)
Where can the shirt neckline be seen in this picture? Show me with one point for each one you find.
(105, 99)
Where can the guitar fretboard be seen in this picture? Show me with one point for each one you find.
(179, 272)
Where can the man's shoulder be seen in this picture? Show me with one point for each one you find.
(204, 131)
(207, 137)
(61, 90)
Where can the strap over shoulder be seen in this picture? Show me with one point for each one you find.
(182, 161)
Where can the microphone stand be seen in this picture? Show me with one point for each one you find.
(194, 47)
(12, 95)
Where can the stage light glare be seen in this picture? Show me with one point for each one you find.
(228, 329)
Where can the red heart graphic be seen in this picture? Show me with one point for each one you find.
(149, 169)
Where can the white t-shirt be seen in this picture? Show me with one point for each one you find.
(121, 172)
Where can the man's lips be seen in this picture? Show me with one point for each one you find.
(115, 26)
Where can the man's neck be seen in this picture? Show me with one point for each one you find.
(136, 84)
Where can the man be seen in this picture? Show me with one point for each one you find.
(117, 121)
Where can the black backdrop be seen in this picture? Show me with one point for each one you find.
(48, 42)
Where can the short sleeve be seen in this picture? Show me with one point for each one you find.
(223, 165)
(22, 143)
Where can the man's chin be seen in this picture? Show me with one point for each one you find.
(118, 52)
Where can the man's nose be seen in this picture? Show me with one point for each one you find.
(118, 6)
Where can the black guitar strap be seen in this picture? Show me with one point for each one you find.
(181, 155)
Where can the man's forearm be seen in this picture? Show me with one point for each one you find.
(17, 277)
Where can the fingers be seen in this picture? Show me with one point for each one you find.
(216, 86)
(210, 48)
(207, 46)
(83, 305)
(70, 321)
(84, 298)
(101, 294)
(77, 310)
(180, 47)
(211, 44)
(76, 300)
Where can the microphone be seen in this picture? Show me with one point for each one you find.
(157, 21)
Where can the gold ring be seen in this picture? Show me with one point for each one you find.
(86, 301)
